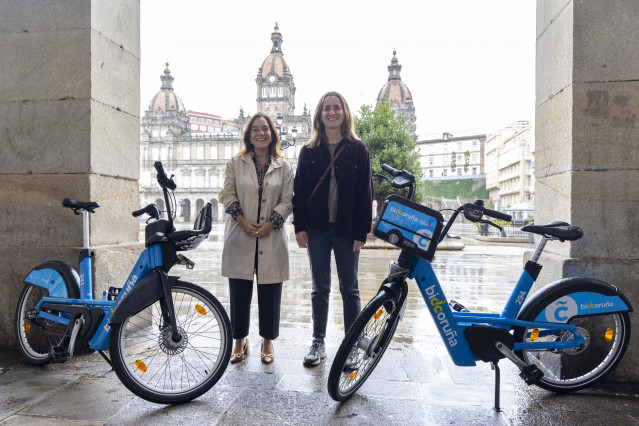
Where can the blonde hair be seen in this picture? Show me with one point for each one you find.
(273, 148)
(319, 132)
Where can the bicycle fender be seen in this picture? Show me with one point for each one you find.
(560, 301)
(59, 278)
(142, 295)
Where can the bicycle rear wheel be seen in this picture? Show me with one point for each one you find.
(365, 343)
(154, 367)
(35, 336)
(568, 370)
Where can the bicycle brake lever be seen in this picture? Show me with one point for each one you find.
(491, 224)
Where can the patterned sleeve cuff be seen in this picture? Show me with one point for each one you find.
(277, 220)
(234, 210)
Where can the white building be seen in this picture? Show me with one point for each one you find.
(510, 164)
(198, 155)
(452, 157)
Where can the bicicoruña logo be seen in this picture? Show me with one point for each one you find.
(420, 240)
(561, 310)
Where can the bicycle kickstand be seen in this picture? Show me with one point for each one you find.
(494, 366)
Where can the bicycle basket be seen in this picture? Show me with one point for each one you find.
(191, 238)
(409, 226)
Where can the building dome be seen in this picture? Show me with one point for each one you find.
(275, 85)
(274, 64)
(395, 90)
(166, 101)
(398, 94)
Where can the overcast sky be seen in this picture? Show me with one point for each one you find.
(469, 64)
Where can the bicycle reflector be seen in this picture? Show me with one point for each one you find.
(140, 365)
(27, 328)
(352, 375)
(534, 335)
(378, 314)
(609, 334)
(200, 309)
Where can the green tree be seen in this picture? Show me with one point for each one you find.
(389, 143)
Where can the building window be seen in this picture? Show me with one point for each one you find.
(474, 158)
(431, 161)
(280, 92)
(430, 173)
(474, 170)
(459, 146)
(459, 171)
(445, 172)
(193, 119)
(264, 92)
(474, 144)
(272, 92)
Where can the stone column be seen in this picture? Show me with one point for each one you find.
(69, 127)
(587, 136)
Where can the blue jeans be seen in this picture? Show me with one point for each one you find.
(319, 249)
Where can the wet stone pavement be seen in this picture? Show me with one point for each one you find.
(415, 383)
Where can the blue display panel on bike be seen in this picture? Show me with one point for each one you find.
(409, 226)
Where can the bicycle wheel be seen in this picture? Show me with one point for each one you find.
(568, 370)
(154, 367)
(35, 336)
(365, 343)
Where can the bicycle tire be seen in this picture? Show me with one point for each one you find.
(378, 320)
(36, 336)
(153, 367)
(569, 370)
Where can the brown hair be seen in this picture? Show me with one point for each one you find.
(319, 132)
(273, 148)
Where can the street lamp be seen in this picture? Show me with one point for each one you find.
(284, 143)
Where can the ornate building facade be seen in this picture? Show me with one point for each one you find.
(198, 158)
(398, 94)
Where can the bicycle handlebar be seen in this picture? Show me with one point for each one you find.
(152, 210)
(401, 179)
(163, 179)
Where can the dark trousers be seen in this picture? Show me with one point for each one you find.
(269, 300)
(320, 245)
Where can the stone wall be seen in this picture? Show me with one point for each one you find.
(69, 127)
(587, 144)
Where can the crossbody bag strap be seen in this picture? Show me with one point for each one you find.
(325, 173)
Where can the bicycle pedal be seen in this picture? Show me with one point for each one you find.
(531, 374)
(58, 354)
(456, 306)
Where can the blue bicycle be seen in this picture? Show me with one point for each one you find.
(169, 341)
(566, 337)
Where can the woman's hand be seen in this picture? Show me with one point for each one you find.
(250, 228)
(358, 245)
(264, 229)
(302, 239)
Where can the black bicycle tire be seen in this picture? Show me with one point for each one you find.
(620, 319)
(41, 355)
(144, 390)
(351, 339)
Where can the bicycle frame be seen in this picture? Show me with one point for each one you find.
(149, 259)
(451, 325)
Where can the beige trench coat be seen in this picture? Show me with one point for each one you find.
(240, 184)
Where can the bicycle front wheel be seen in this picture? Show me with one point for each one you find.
(572, 369)
(35, 336)
(363, 346)
(154, 367)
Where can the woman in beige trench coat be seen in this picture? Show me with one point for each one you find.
(257, 194)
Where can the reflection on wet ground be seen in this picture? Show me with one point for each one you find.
(480, 277)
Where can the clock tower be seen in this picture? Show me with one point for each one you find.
(275, 86)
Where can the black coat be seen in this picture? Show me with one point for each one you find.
(355, 190)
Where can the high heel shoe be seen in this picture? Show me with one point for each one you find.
(266, 358)
(239, 356)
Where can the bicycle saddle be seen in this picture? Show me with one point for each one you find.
(80, 205)
(562, 230)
